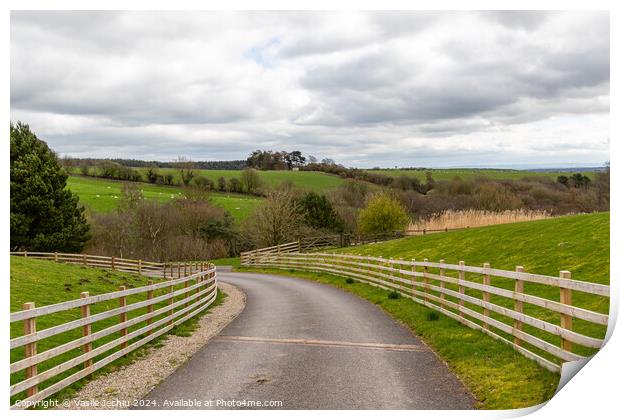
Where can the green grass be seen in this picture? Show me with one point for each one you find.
(448, 174)
(48, 282)
(496, 374)
(102, 195)
(311, 181)
(232, 261)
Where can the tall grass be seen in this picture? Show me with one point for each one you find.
(456, 219)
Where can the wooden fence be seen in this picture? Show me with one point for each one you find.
(104, 335)
(542, 331)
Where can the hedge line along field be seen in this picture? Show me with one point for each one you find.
(312, 181)
(499, 174)
(103, 195)
(497, 375)
(47, 282)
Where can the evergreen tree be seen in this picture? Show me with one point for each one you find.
(45, 216)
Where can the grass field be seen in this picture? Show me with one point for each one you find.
(102, 195)
(448, 174)
(312, 181)
(48, 282)
(496, 374)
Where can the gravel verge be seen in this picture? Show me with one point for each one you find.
(121, 388)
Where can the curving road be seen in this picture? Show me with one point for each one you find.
(311, 346)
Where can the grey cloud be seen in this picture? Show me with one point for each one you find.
(338, 84)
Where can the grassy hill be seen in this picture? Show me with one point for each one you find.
(312, 181)
(48, 282)
(447, 174)
(103, 195)
(496, 374)
(579, 244)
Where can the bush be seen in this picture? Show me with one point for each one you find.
(45, 216)
(382, 215)
(203, 182)
(349, 280)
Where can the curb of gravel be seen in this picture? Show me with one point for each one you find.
(122, 388)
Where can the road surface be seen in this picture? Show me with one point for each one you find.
(302, 345)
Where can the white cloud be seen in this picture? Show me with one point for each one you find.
(364, 88)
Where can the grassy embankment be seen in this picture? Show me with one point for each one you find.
(48, 282)
(497, 375)
(465, 173)
(103, 195)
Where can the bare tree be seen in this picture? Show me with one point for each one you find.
(186, 170)
(279, 219)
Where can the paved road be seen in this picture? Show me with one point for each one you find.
(313, 346)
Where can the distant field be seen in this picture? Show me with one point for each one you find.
(313, 181)
(102, 195)
(447, 174)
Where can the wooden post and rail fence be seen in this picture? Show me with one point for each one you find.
(466, 294)
(138, 316)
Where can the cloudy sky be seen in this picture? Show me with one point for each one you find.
(442, 89)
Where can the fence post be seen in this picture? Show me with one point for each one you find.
(413, 269)
(461, 287)
(178, 270)
(122, 301)
(140, 267)
(86, 329)
(84, 260)
(442, 285)
(171, 301)
(56, 256)
(518, 325)
(425, 281)
(25, 253)
(30, 327)
(486, 296)
(113, 262)
(185, 286)
(149, 308)
(566, 321)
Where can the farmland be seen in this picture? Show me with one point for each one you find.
(102, 195)
(448, 174)
(312, 181)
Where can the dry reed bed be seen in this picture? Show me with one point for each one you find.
(457, 219)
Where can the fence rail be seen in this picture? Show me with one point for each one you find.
(497, 310)
(152, 316)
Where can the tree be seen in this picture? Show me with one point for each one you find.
(251, 180)
(278, 220)
(234, 185)
(319, 212)
(45, 216)
(186, 170)
(221, 184)
(382, 215)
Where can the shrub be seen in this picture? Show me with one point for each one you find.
(349, 280)
(45, 216)
(382, 215)
(203, 182)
